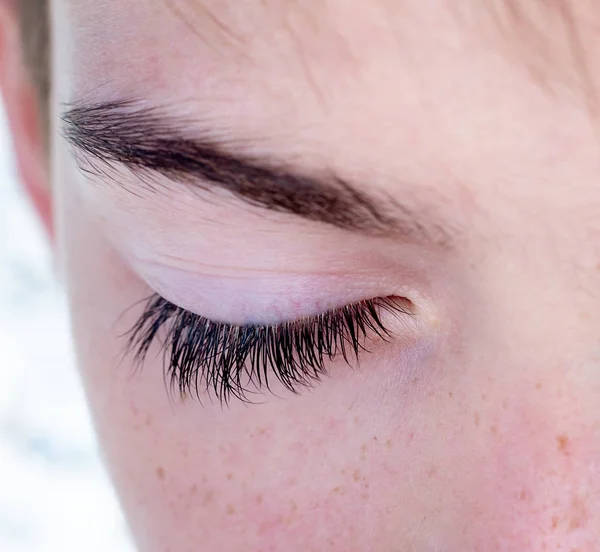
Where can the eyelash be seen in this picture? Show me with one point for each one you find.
(234, 361)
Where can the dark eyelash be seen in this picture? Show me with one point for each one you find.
(224, 359)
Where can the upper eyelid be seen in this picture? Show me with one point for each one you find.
(264, 297)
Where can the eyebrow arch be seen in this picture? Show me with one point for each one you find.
(145, 139)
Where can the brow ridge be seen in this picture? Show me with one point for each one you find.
(147, 139)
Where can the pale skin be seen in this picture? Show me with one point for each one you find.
(477, 427)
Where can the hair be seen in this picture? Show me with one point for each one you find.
(35, 33)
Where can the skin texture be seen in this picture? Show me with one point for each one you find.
(478, 426)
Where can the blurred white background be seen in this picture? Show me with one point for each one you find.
(54, 494)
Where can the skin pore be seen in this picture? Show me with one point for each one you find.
(477, 425)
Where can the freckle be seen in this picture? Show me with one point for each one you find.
(364, 495)
(477, 418)
(574, 524)
(259, 498)
(208, 497)
(563, 443)
(148, 420)
(160, 473)
(229, 476)
(294, 506)
(356, 475)
(539, 385)
(261, 431)
(193, 489)
(356, 419)
(230, 510)
(388, 443)
(554, 522)
(363, 451)
(450, 394)
(579, 514)
(494, 429)
(524, 495)
(431, 472)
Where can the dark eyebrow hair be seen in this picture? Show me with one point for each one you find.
(147, 139)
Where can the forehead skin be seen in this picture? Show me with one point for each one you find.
(497, 446)
(551, 40)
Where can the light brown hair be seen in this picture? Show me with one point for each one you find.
(35, 31)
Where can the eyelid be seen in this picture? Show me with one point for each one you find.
(234, 271)
(263, 297)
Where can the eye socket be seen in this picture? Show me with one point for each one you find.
(237, 361)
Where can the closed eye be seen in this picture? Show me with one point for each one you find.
(235, 361)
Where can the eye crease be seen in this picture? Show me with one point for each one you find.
(237, 361)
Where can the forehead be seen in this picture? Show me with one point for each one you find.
(325, 40)
(541, 33)
(531, 30)
(324, 50)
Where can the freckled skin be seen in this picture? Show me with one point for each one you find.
(482, 433)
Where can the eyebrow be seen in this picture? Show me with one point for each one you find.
(150, 140)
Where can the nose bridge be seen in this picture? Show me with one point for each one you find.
(549, 331)
(542, 407)
(541, 315)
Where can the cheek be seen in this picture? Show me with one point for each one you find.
(269, 485)
(544, 459)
